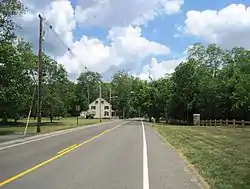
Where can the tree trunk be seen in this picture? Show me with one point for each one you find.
(150, 119)
(157, 120)
(51, 118)
(5, 119)
(166, 118)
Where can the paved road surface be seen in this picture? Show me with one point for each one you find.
(5, 138)
(114, 155)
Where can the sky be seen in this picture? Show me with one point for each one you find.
(140, 37)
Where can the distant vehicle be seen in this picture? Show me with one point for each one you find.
(89, 115)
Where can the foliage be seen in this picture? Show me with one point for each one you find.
(57, 96)
(87, 88)
(15, 81)
(211, 81)
(8, 10)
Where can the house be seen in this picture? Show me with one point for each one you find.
(101, 107)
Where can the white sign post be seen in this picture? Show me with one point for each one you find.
(197, 119)
(78, 110)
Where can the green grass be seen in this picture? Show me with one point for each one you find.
(220, 155)
(63, 123)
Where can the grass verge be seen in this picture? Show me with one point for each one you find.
(63, 123)
(220, 155)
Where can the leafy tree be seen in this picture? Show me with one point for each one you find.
(15, 80)
(8, 10)
(87, 88)
(122, 85)
(56, 92)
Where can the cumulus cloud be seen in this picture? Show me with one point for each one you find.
(112, 13)
(129, 42)
(59, 14)
(127, 50)
(228, 27)
(34, 5)
(126, 47)
(158, 69)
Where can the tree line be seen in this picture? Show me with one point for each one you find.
(212, 81)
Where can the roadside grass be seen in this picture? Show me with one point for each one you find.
(46, 126)
(220, 155)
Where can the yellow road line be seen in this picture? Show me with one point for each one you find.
(53, 158)
(106, 131)
(67, 148)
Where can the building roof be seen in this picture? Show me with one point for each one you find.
(98, 100)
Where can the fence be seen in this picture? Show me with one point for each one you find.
(226, 122)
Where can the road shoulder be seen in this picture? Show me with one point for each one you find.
(167, 169)
(37, 137)
(201, 180)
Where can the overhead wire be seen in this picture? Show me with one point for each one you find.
(50, 27)
(60, 39)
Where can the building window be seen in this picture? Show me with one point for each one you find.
(102, 101)
(92, 107)
(106, 107)
(96, 102)
(106, 113)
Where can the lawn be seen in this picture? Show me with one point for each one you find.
(63, 123)
(220, 155)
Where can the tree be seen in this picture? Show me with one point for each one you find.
(9, 9)
(122, 85)
(87, 88)
(15, 79)
(56, 93)
(139, 97)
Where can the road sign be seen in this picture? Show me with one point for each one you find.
(78, 108)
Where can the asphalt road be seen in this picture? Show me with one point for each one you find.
(113, 155)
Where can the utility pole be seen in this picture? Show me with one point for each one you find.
(88, 89)
(100, 105)
(110, 108)
(40, 73)
(88, 95)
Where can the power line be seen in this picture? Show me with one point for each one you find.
(60, 39)
(50, 27)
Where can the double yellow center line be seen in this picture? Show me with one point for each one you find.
(59, 154)
(68, 149)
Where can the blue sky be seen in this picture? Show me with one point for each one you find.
(163, 28)
(137, 36)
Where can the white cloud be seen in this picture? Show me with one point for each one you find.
(228, 27)
(127, 50)
(61, 17)
(129, 42)
(35, 4)
(123, 13)
(172, 6)
(159, 69)
(59, 14)
(91, 53)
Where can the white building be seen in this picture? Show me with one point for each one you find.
(101, 107)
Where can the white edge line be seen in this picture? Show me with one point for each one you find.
(145, 159)
(51, 135)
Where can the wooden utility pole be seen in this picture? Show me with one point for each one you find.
(40, 74)
(110, 99)
(88, 95)
(100, 103)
